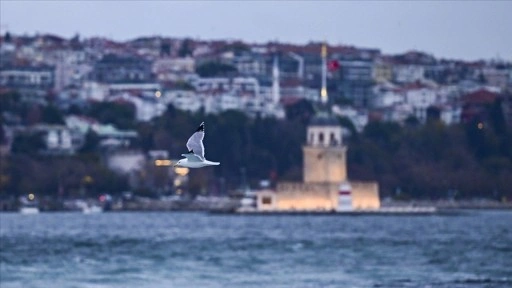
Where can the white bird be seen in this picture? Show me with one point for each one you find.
(195, 156)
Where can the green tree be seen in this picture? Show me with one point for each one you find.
(237, 47)
(9, 101)
(215, 69)
(91, 142)
(302, 110)
(29, 143)
(52, 115)
(185, 48)
(121, 115)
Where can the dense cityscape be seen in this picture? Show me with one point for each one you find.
(94, 117)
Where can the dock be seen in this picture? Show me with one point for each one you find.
(383, 211)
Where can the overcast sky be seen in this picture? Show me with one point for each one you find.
(460, 29)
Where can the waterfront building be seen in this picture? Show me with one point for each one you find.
(325, 180)
(325, 170)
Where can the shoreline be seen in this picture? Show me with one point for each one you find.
(228, 205)
(442, 212)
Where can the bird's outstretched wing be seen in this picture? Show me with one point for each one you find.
(191, 157)
(195, 142)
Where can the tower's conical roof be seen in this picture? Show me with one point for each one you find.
(324, 118)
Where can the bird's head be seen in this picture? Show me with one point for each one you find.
(179, 163)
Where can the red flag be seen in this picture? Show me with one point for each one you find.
(333, 65)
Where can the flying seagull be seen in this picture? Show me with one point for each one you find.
(195, 156)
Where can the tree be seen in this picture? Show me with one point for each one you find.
(185, 48)
(32, 114)
(215, 69)
(121, 115)
(302, 110)
(29, 144)
(237, 47)
(165, 48)
(412, 121)
(347, 123)
(3, 139)
(91, 142)
(184, 86)
(9, 101)
(52, 115)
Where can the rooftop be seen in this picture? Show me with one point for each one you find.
(481, 96)
(324, 119)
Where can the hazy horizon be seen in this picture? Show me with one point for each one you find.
(456, 30)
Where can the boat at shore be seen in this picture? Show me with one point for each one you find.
(29, 204)
(29, 210)
(89, 208)
(92, 209)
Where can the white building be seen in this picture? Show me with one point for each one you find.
(214, 104)
(250, 64)
(217, 84)
(387, 95)
(147, 107)
(171, 69)
(450, 114)
(358, 117)
(496, 77)
(186, 100)
(245, 86)
(398, 113)
(57, 138)
(126, 162)
(94, 91)
(448, 93)
(71, 66)
(28, 77)
(82, 124)
(149, 88)
(420, 98)
(408, 73)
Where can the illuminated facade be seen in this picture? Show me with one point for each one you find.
(324, 170)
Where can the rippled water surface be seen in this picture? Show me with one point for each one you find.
(473, 249)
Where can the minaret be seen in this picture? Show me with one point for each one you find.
(323, 92)
(276, 94)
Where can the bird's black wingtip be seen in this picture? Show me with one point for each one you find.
(201, 127)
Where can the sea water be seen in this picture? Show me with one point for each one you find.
(176, 249)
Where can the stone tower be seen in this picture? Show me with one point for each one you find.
(324, 153)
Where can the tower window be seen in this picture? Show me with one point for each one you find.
(333, 140)
(321, 138)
